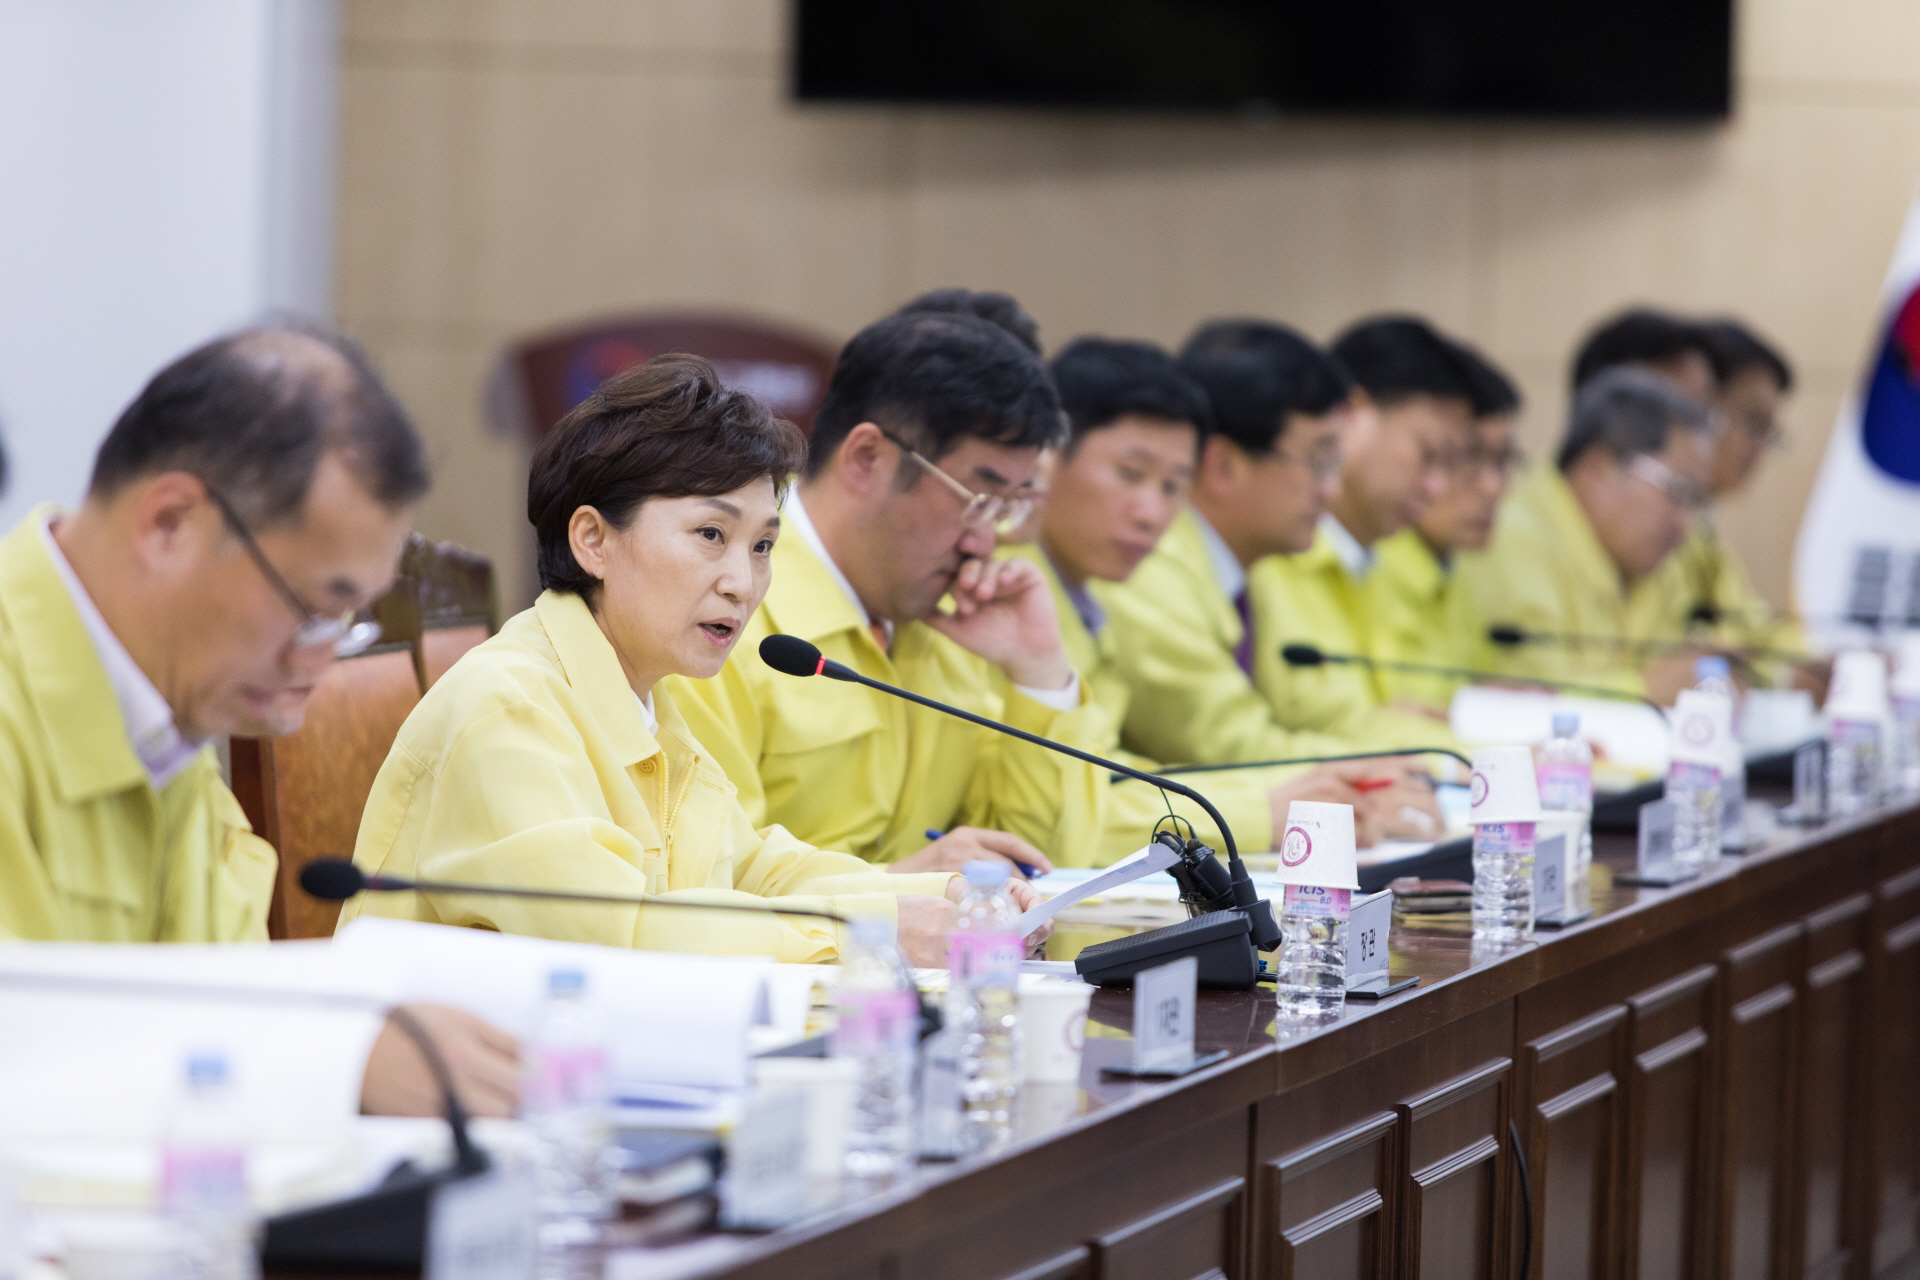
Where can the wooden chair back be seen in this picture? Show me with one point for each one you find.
(458, 603)
(304, 792)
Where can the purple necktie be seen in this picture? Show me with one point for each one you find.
(1243, 653)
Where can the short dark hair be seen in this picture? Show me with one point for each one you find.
(251, 414)
(1627, 410)
(1491, 390)
(662, 429)
(1641, 335)
(999, 309)
(1257, 375)
(1395, 358)
(936, 378)
(1741, 349)
(1103, 379)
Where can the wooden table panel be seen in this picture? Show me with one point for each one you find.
(1831, 1091)
(1894, 1135)
(1756, 1155)
(1669, 1126)
(1570, 1093)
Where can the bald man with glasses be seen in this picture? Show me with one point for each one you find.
(1577, 545)
(926, 446)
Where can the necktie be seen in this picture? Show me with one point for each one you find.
(1243, 653)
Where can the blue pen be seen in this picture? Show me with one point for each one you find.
(1025, 870)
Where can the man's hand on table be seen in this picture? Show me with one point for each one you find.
(483, 1060)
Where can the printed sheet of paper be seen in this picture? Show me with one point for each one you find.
(1155, 857)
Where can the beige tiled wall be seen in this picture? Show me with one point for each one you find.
(513, 164)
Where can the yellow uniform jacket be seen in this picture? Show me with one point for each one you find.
(1704, 571)
(89, 850)
(1546, 571)
(530, 764)
(1131, 808)
(1422, 612)
(1173, 638)
(1312, 598)
(852, 768)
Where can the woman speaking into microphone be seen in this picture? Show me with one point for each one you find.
(546, 758)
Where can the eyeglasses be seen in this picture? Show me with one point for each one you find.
(316, 629)
(1682, 492)
(1322, 465)
(983, 510)
(1498, 462)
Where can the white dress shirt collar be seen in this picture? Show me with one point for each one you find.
(794, 516)
(1357, 558)
(148, 719)
(1226, 566)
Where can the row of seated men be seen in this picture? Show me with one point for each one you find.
(1198, 513)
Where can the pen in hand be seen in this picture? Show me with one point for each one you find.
(934, 833)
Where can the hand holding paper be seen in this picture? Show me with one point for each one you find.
(1155, 857)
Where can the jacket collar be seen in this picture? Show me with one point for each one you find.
(1408, 560)
(65, 681)
(806, 598)
(592, 668)
(1562, 509)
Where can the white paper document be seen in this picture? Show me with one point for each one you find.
(1155, 857)
(674, 1019)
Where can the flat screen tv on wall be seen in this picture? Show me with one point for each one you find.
(1644, 59)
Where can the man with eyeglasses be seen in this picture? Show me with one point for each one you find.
(1405, 435)
(928, 441)
(1116, 486)
(1421, 612)
(251, 499)
(1193, 636)
(1576, 546)
(1703, 590)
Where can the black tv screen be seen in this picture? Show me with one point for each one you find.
(1594, 58)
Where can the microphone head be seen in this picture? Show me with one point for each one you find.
(1506, 634)
(332, 879)
(1705, 614)
(1302, 655)
(791, 655)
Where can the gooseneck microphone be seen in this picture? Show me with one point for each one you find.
(1107, 962)
(1306, 655)
(1510, 636)
(336, 880)
(1337, 759)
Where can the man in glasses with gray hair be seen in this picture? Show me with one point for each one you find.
(928, 442)
(249, 502)
(1577, 544)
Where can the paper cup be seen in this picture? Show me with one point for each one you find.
(1906, 669)
(831, 1088)
(1702, 728)
(1053, 1028)
(1504, 787)
(1317, 846)
(1859, 689)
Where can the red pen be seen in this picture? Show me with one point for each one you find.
(1373, 784)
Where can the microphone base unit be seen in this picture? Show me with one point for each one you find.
(383, 1230)
(1222, 941)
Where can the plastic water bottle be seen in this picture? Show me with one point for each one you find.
(203, 1175)
(564, 1097)
(1854, 765)
(1503, 881)
(1713, 674)
(1906, 746)
(983, 1004)
(1311, 989)
(1566, 786)
(879, 1027)
(1694, 789)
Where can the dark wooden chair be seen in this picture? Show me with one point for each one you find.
(458, 604)
(304, 792)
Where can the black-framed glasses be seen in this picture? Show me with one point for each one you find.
(316, 629)
(983, 510)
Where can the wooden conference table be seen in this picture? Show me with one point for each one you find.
(1719, 1079)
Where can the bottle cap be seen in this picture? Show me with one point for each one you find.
(1859, 690)
(1504, 786)
(1566, 724)
(207, 1067)
(1702, 724)
(986, 875)
(566, 982)
(1710, 665)
(873, 931)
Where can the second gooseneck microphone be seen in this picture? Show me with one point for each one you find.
(1306, 655)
